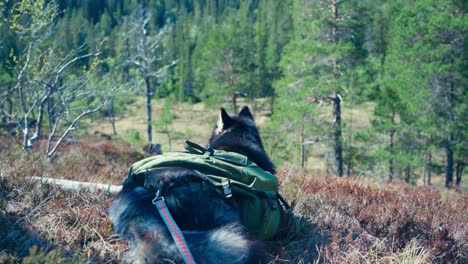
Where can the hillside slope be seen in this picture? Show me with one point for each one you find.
(345, 220)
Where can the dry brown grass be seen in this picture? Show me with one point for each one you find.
(191, 121)
(81, 159)
(65, 226)
(357, 222)
(345, 220)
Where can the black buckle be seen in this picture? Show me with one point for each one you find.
(210, 150)
(270, 203)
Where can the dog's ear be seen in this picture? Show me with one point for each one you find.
(245, 112)
(225, 120)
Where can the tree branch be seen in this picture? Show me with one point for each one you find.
(73, 123)
(77, 185)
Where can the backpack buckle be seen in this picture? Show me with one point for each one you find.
(226, 187)
(157, 197)
(194, 148)
(270, 203)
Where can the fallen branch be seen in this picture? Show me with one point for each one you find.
(77, 185)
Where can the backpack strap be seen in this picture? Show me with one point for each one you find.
(197, 149)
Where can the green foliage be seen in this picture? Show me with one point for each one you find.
(166, 116)
(165, 121)
(408, 59)
(133, 136)
(316, 65)
(423, 48)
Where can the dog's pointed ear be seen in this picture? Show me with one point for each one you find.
(245, 112)
(224, 119)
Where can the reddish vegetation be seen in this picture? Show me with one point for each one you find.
(85, 160)
(383, 219)
(345, 220)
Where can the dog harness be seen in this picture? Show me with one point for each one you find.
(174, 229)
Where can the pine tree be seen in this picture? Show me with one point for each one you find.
(424, 66)
(321, 57)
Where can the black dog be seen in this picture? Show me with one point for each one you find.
(210, 223)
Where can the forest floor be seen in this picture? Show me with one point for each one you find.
(346, 220)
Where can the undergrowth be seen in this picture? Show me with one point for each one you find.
(359, 222)
(345, 220)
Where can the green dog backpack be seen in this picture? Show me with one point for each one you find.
(255, 190)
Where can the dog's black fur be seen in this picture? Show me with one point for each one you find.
(209, 222)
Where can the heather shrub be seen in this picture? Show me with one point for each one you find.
(380, 221)
(44, 224)
(83, 160)
(345, 220)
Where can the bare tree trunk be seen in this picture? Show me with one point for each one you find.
(146, 55)
(337, 135)
(51, 108)
(19, 85)
(37, 132)
(2, 113)
(334, 7)
(451, 136)
(424, 174)
(112, 116)
(148, 110)
(146, 74)
(351, 150)
(302, 141)
(391, 166)
(338, 142)
(460, 167)
(449, 163)
(337, 99)
(407, 174)
(10, 109)
(234, 102)
(272, 101)
(429, 167)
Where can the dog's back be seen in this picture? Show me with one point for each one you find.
(209, 222)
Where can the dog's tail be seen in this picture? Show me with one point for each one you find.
(151, 242)
(226, 244)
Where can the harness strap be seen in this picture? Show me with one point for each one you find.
(174, 229)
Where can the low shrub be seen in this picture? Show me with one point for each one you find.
(384, 222)
(345, 220)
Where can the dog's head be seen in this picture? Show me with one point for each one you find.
(240, 134)
(243, 123)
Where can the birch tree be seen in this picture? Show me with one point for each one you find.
(46, 84)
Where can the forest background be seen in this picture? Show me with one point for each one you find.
(370, 88)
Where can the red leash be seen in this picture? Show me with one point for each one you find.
(174, 229)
